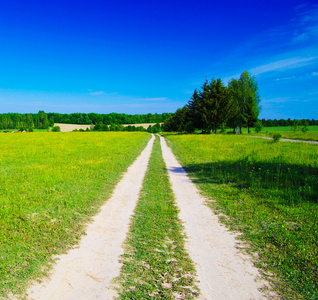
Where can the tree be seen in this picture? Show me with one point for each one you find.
(43, 120)
(247, 100)
(211, 107)
(178, 121)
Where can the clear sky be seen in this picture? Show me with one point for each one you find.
(148, 56)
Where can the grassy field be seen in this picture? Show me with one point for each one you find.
(268, 191)
(155, 263)
(50, 186)
(287, 132)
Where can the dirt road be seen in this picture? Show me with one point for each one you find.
(86, 272)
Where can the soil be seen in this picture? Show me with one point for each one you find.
(86, 272)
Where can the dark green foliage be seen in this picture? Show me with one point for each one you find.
(178, 121)
(258, 126)
(288, 122)
(304, 127)
(51, 122)
(42, 120)
(58, 129)
(276, 137)
(296, 124)
(190, 128)
(207, 109)
(216, 105)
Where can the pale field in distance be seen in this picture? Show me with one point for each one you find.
(71, 127)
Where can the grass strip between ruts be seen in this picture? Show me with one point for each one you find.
(155, 263)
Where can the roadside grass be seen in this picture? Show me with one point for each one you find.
(269, 192)
(50, 186)
(155, 263)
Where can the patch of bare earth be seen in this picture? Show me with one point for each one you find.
(223, 271)
(86, 272)
(71, 127)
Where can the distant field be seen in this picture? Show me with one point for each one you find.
(71, 127)
(267, 191)
(144, 125)
(50, 185)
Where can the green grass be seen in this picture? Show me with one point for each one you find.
(50, 186)
(269, 192)
(155, 264)
(287, 132)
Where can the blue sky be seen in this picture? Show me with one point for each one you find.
(141, 57)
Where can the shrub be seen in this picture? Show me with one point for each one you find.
(258, 126)
(56, 129)
(305, 128)
(276, 137)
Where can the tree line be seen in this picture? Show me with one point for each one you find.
(288, 122)
(216, 106)
(42, 120)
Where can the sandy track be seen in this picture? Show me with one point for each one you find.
(223, 271)
(86, 272)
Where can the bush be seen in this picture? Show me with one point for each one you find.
(258, 126)
(276, 137)
(56, 129)
(30, 129)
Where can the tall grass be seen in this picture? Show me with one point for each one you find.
(50, 185)
(269, 192)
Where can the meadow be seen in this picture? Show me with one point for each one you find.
(287, 132)
(266, 191)
(50, 186)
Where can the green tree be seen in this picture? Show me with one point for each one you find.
(178, 121)
(212, 106)
(43, 120)
(247, 100)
